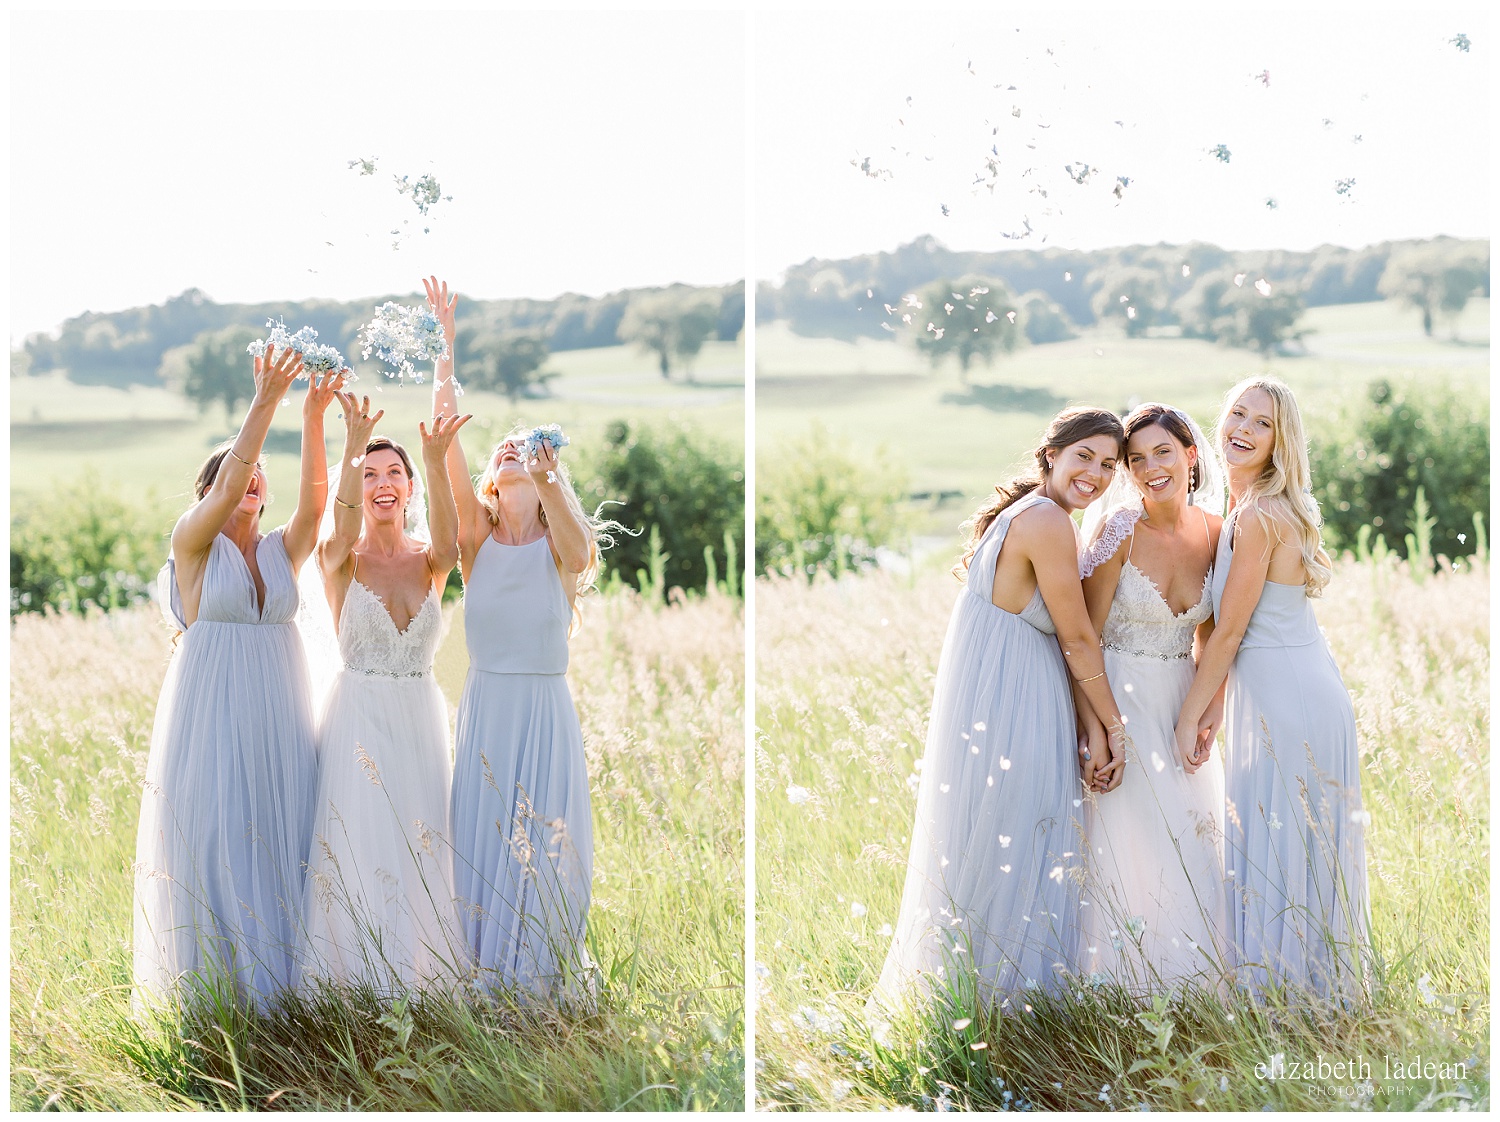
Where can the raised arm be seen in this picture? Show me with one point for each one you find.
(1053, 550)
(301, 532)
(572, 544)
(442, 514)
(1248, 567)
(196, 529)
(445, 404)
(348, 504)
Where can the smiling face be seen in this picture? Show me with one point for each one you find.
(1247, 436)
(386, 485)
(1082, 470)
(1161, 467)
(254, 501)
(506, 458)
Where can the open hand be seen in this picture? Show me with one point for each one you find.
(442, 305)
(275, 373)
(358, 424)
(435, 444)
(321, 391)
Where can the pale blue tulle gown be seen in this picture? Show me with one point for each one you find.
(522, 832)
(1153, 913)
(991, 895)
(1295, 845)
(229, 786)
(380, 905)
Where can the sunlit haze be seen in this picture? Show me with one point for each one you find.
(584, 152)
(1302, 104)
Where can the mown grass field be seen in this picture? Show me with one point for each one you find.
(844, 681)
(660, 695)
(963, 439)
(149, 441)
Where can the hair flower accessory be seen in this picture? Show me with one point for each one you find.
(318, 358)
(402, 336)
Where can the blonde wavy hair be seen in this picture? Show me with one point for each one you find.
(1285, 483)
(601, 530)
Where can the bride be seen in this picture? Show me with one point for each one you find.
(1154, 914)
(379, 904)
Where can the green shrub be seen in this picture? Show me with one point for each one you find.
(821, 507)
(1370, 460)
(689, 489)
(85, 546)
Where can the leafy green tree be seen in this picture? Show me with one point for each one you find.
(213, 368)
(821, 506)
(671, 325)
(1238, 315)
(508, 362)
(674, 486)
(974, 317)
(1435, 277)
(1044, 319)
(1138, 295)
(1370, 459)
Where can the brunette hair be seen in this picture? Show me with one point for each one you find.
(1068, 427)
(386, 444)
(209, 471)
(1155, 413)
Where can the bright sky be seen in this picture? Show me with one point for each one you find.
(1144, 95)
(585, 152)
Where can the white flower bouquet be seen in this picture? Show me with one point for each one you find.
(317, 358)
(403, 336)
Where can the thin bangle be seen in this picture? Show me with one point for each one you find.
(240, 458)
(1083, 680)
(341, 502)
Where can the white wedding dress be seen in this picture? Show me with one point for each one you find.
(379, 901)
(1153, 915)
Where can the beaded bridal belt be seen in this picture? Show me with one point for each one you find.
(390, 673)
(1148, 654)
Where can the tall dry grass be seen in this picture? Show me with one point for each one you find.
(844, 680)
(659, 693)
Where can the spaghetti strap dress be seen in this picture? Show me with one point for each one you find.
(380, 904)
(522, 832)
(1298, 897)
(990, 903)
(228, 802)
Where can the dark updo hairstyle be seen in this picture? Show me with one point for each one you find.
(1155, 413)
(386, 444)
(1068, 427)
(210, 471)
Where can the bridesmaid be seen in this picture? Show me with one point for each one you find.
(523, 834)
(230, 779)
(1295, 847)
(991, 886)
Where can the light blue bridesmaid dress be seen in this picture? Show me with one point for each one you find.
(991, 896)
(523, 837)
(228, 802)
(1294, 829)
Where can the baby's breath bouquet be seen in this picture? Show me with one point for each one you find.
(318, 358)
(402, 336)
(531, 444)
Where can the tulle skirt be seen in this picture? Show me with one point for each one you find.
(379, 905)
(522, 831)
(226, 813)
(1153, 913)
(991, 893)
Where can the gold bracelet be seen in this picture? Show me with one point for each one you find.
(240, 458)
(1083, 680)
(341, 502)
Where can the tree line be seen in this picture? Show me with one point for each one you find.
(503, 344)
(1198, 289)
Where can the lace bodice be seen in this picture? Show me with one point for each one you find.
(370, 643)
(1141, 622)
